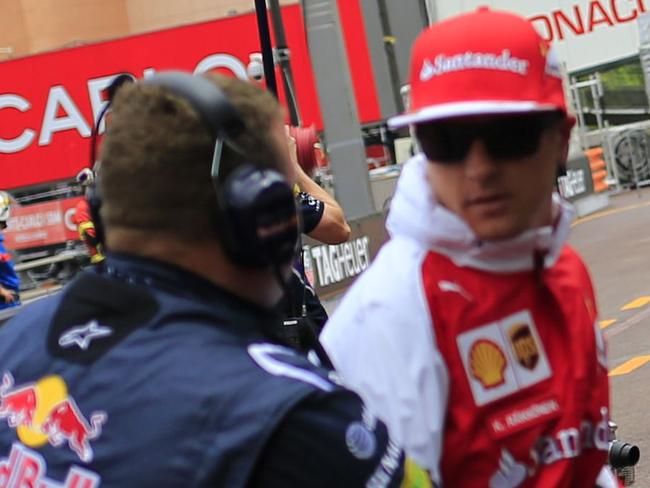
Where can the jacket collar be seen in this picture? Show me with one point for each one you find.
(178, 281)
(416, 214)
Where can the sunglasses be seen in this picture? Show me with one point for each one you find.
(504, 137)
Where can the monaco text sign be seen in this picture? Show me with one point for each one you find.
(587, 33)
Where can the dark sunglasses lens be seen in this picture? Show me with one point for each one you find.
(505, 138)
(443, 143)
(515, 137)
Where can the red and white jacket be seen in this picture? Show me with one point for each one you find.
(484, 359)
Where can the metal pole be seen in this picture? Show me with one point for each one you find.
(432, 13)
(612, 165)
(424, 12)
(336, 97)
(284, 62)
(596, 93)
(634, 157)
(581, 116)
(389, 46)
(601, 97)
(266, 47)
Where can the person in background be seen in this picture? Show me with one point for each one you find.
(83, 220)
(9, 281)
(474, 334)
(322, 219)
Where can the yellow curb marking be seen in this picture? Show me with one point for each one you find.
(638, 303)
(629, 366)
(605, 213)
(637, 362)
(606, 323)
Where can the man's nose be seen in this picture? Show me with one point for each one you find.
(478, 162)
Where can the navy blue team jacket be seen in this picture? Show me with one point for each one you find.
(145, 375)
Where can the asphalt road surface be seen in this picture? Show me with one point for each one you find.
(615, 243)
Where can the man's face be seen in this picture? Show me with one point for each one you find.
(497, 173)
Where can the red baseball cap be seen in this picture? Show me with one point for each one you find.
(483, 62)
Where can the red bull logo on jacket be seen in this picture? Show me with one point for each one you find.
(26, 468)
(43, 412)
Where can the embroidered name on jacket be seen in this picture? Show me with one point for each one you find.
(503, 357)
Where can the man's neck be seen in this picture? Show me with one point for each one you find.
(204, 258)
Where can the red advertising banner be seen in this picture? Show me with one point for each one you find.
(41, 224)
(48, 102)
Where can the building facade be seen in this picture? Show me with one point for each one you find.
(33, 26)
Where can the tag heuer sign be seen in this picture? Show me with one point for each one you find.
(524, 346)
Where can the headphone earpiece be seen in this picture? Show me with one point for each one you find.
(259, 217)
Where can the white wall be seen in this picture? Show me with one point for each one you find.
(586, 33)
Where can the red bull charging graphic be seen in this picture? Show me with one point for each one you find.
(43, 412)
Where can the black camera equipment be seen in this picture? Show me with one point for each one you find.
(298, 329)
(622, 457)
(622, 454)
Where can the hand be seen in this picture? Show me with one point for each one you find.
(293, 148)
(510, 474)
(7, 295)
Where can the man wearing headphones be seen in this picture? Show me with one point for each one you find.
(160, 368)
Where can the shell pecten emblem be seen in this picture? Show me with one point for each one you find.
(488, 363)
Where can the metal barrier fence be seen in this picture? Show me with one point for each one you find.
(28, 296)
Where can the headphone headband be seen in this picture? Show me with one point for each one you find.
(216, 111)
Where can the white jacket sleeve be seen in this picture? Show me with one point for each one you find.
(381, 342)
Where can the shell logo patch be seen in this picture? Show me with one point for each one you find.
(524, 345)
(488, 363)
(503, 357)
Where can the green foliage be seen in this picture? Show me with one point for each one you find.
(625, 76)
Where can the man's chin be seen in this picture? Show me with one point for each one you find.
(497, 231)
